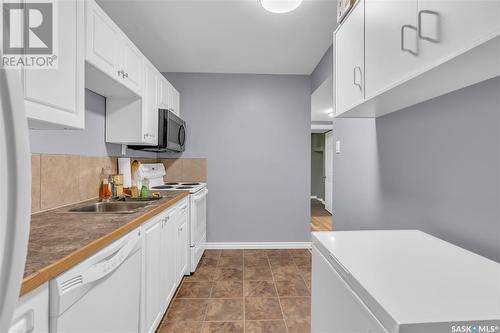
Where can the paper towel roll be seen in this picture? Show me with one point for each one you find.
(124, 169)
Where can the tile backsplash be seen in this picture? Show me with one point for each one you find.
(185, 169)
(59, 180)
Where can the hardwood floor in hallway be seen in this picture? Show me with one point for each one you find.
(321, 219)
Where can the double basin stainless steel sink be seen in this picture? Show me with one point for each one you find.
(114, 207)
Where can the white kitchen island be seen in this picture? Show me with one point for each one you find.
(400, 281)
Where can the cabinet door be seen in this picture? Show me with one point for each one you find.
(448, 27)
(61, 103)
(131, 63)
(153, 265)
(349, 64)
(168, 260)
(150, 105)
(391, 43)
(182, 240)
(103, 43)
(162, 92)
(176, 101)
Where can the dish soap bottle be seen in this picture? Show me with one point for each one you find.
(104, 190)
(145, 189)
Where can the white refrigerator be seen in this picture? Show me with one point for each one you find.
(15, 192)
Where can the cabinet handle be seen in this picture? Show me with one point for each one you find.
(430, 39)
(120, 72)
(354, 78)
(125, 75)
(403, 28)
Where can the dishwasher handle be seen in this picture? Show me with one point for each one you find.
(110, 263)
(72, 285)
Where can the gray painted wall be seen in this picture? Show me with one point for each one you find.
(89, 142)
(254, 131)
(317, 165)
(323, 70)
(434, 167)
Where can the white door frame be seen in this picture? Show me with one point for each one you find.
(328, 160)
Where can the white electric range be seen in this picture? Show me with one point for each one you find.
(197, 207)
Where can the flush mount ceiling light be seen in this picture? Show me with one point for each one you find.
(280, 6)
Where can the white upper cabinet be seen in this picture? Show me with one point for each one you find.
(414, 50)
(168, 96)
(60, 104)
(392, 46)
(131, 65)
(103, 42)
(111, 52)
(350, 59)
(150, 105)
(163, 92)
(448, 27)
(176, 101)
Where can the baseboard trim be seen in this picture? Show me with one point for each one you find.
(258, 245)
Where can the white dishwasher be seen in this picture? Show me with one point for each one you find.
(101, 294)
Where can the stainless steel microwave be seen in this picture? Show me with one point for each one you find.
(171, 133)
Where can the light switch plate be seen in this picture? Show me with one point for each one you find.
(337, 147)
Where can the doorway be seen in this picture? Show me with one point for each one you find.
(321, 194)
(322, 156)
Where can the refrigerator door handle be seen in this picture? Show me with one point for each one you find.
(15, 203)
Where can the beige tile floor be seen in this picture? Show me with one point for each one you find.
(251, 291)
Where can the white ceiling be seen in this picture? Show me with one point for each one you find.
(322, 101)
(226, 36)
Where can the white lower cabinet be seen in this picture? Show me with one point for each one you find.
(32, 312)
(182, 242)
(165, 262)
(152, 272)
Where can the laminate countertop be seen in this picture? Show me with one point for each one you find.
(60, 239)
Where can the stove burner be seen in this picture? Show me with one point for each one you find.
(190, 184)
(184, 187)
(172, 183)
(163, 187)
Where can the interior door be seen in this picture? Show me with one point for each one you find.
(328, 171)
(15, 204)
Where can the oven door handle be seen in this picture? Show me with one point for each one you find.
(201, 195)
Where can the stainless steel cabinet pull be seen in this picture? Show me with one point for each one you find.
(430, 39)
(355, 82)
(403, 28)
